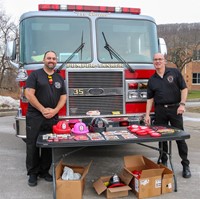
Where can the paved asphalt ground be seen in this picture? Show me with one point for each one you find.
(106, 161)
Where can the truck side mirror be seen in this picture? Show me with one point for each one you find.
(11, 50)
(162, 46)
(11, 53)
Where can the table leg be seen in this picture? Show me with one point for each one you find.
(54, 173)
(160, 153)
(170, 160)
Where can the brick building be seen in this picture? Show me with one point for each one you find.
(191, 73)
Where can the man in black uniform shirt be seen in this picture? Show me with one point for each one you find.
(167, 90)
(46, 94)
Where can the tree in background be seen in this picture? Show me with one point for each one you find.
(8, 31)
(182, 41)
(180, 56)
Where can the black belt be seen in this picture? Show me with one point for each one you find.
(168, 105)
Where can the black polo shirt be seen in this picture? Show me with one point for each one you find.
(47, 94)
(166, 90)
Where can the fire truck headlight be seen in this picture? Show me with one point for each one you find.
(133, 95)
(143, 95)
(22, 74)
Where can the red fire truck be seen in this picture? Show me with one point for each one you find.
(104, 54)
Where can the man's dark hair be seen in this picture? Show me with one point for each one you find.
(48, 52)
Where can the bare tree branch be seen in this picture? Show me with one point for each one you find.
(8, 31)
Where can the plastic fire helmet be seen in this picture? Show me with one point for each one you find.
(72, 122)
(115, 181)
(80, 128)
(98, 125)
(62, 127)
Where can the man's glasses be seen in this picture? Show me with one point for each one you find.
(159, 59)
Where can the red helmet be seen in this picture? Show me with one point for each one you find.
(62, 127)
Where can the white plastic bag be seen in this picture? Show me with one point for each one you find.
(68, 174)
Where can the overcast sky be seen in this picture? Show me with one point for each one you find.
(164, 12)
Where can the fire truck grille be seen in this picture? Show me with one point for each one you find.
(106, 104)
(101, 91)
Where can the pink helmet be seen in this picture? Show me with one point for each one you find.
(80, 128)
(72, 122)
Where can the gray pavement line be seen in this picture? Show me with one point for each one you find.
(194, 119)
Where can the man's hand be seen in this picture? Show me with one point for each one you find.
(181, 109)
(48, 112)
(147, 120)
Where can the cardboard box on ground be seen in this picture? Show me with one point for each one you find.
(167, 180)
(114, 192)
(70, 189)
(154, 179)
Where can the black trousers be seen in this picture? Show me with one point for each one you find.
(168, 116)
(38, 161)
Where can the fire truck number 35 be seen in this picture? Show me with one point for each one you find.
(78, 91)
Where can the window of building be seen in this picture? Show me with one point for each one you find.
(196, 78)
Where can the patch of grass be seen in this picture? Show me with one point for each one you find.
(193, 109)
(194, 94)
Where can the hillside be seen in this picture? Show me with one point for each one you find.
(184, 34)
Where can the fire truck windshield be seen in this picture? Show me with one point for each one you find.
(135, 40)
(63, 35)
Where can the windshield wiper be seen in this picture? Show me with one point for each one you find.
(112, 53)
(72, 55)
(82, 47)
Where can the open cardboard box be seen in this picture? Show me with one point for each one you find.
(115, 192)
(150, 180)
(72, 189)
(167, 180)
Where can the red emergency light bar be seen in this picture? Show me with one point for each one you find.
(56, 7)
